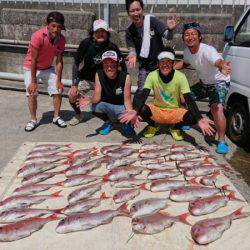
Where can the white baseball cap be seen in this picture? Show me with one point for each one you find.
(111, 55)
(166, 55)
(100, 24)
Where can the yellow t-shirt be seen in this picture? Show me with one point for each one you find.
(167, 95)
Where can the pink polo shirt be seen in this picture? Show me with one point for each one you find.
(47, 51)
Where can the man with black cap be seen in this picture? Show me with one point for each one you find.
(87, 62)
(214, 74)
(45, 44)
(167, 85)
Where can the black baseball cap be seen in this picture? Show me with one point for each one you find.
(192, 25)
(57, 17)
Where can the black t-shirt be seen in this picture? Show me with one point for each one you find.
(112, 89)
(89, 53)
(134, 39)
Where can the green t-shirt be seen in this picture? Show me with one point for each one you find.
(167, 95)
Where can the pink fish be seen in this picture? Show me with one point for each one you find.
(209, 230)
(24, 228)
(210, 204)
(155, 223)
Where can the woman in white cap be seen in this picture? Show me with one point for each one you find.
(168, 85)
(87, 62)
(112, 94)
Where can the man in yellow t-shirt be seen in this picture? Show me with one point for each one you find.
(167, 85)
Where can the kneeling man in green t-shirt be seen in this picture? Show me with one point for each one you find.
(167, 85)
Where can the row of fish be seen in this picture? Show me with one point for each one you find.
(162, 162)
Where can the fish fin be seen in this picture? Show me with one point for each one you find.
(65, 162)
(216, 173)
(193, 181)
(225, 167)
(60, 183)
(182, 218)
(53, 217)
(231, 196)
(68, 145)
(56, 194)
(103, 196)
(57, 211)
(94, 153)
(143, 187)
(226, 188)
(61, 172)
(70, 156)
(105, 177)
(123, 209)
(206, 159)
(164, 213)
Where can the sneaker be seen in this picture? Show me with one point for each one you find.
(106, 128)
(185, 127)
(221, 148)
(128, 130)
(176, 134)
(76, 119)
(151, 131)
(59, 122)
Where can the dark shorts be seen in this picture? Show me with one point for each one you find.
(215, 92)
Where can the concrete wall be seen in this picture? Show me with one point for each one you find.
(18, 21)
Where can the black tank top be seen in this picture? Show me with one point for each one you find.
(112, 89)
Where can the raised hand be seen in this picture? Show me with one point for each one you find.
(172, 22)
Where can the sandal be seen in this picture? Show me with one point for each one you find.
(60, 122)
(30, 126)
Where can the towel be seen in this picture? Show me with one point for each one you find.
(146, 37)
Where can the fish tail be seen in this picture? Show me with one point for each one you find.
(105, 177)
(57, 211)
(183, 218)
(61, 172)
(193, 181)
(231, 196)
(60, 183)
(53, 217)
(94, 153)
(237, 213)
(70, 156)
(123, 209)
(103, 196)
(143, 187)
(225, 188)
(206, 159)
(56, 194)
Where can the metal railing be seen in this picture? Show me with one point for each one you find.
(154, 2)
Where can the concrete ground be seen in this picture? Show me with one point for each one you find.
(14, 115)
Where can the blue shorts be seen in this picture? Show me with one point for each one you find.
(215, 92)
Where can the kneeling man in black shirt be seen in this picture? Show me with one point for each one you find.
(112, 94)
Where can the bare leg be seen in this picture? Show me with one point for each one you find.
(219, 120)
(57, 100)
(32, 103)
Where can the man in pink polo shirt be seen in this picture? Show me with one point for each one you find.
(45, 44)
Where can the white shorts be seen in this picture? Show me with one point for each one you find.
(47, 76)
